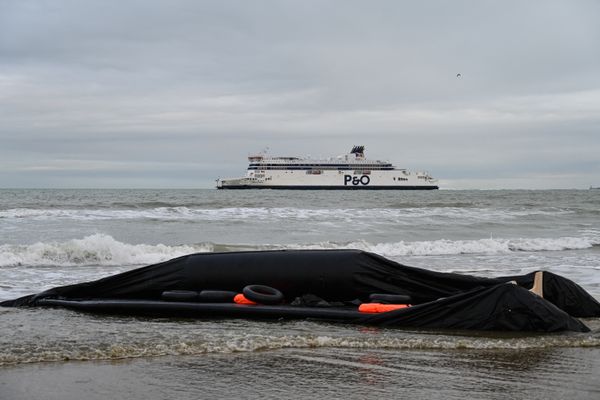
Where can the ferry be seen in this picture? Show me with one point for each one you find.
(351, 171)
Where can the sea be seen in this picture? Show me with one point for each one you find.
(51, 238)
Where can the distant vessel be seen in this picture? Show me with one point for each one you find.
(594, 188)
(349, 171)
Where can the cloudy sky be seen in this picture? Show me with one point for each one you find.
(177, 93)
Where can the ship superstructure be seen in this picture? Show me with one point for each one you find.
(349, 171)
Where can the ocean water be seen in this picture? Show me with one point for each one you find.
(57, 237)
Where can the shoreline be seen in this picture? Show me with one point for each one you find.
(556, 373)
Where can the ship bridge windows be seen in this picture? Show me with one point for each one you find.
(289, 167)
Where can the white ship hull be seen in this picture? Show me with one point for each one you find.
(329, 180)
(349, 172)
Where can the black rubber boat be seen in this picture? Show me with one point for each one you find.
(330, 285)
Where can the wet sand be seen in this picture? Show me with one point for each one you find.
(550, 373)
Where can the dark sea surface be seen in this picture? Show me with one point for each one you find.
(57, 237)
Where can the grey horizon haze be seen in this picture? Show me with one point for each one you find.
(174, 94)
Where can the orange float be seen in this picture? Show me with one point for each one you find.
(241, 299)
(380, 307)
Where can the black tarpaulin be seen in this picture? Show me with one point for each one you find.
(348, 275)
(503, 307)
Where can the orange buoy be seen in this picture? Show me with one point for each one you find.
(241, 299)
(380, 308)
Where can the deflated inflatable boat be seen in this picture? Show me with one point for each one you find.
(330, 285)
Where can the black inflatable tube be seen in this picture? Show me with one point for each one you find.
(216, 296)
(426, 315)
(262, 294)
(179, 295)
(390, 298)
(163, 308)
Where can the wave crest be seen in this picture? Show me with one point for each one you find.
(178, 213)
(252, 343)
(98, 249)
(455, 247)
(101, 249)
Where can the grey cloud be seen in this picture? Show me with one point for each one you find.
(136, 81)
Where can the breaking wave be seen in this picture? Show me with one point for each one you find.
(101, 249)
(278, 213)
(477, 246)
(98, 249)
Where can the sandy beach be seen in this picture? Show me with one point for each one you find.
(554, 373)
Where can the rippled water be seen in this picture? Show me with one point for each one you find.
(61, 335)
(57, 237)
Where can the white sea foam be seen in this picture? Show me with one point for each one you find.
(482, 246)
(277, 213)
(207, 343)
(101, 249)
(98, 249)
(454, 247)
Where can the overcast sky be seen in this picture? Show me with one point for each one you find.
(178, 93)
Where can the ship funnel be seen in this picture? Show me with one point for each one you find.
(359, 151)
